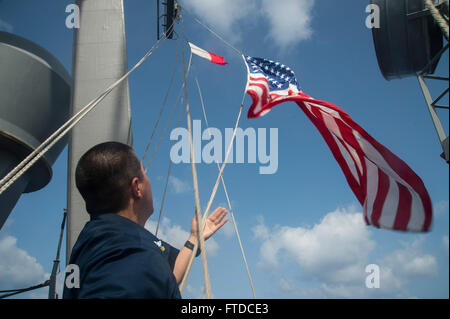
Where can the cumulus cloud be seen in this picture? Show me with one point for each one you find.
(228, 229)
(177, 236)
(288, 21)
(335, 250)
(194, 293)
(18, 269)
(286, 285)
(401, 267)
(179, 186)
(222, 15)
(411, 261)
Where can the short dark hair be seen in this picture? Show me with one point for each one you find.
(104, 174)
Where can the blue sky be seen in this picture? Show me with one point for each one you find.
(302, 227)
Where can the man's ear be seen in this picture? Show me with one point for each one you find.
(136, 189)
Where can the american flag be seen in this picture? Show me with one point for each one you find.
(391, 194)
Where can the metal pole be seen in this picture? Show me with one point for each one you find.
(52, 287)
(434, 117)
(157, 20)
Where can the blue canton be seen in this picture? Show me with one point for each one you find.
(278, 75)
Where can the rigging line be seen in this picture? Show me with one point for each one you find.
(52, 287)
(227, 197)
(212, 31)
(213, 194)
(195, 182)
(168, 121)
(13, 292)
(162, 107)
(167, 178)
(163, 198)
(34, 156)
(438, 17)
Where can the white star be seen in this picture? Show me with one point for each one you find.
(279, 85)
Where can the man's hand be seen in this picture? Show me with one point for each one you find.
(213, 223)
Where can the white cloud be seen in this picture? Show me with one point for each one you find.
(335, 250)
(177, 236)
(403, 266)
(18, 269)
(411, 261)
(290, 20)
(194, 293)
(178, 185)
(5, 26)
(287, 285)
(228, 229)
(343, 290)
(260, 231)
(222, 15)
(398, 270)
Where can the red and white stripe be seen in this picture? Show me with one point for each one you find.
(263, 101)
(214, 58)
(392, 195)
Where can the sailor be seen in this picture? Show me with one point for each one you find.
(116, 256)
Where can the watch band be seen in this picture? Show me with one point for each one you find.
(190, 246)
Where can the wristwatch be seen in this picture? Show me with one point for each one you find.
(190, 245)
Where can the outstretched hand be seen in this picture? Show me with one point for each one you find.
(213, 223)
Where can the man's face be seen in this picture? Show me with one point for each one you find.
(147, 193)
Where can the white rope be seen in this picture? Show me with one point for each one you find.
(186, 274)
(437, 17)
(212, 31)
(200, 224)
(167, 178)
(168, 120)
(34, 156)
(162, 109)
(213, 194)
(227, 197)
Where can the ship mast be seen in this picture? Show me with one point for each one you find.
(99, 59)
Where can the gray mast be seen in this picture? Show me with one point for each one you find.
(99, 59)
